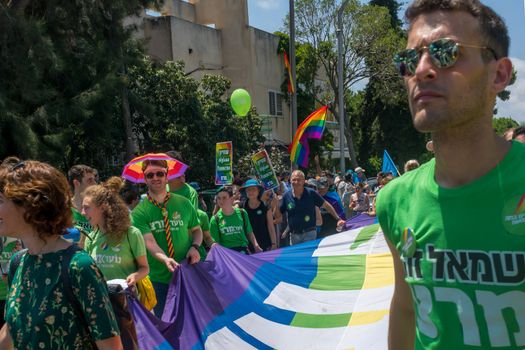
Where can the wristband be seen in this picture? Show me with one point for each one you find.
(196, 246)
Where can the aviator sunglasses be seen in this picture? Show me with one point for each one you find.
(443, 53)
(159, 174)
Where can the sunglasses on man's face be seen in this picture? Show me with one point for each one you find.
(159, 174)
(443, 53)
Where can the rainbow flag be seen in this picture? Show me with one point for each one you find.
(291, 84)
(311, 128)
(332, 293)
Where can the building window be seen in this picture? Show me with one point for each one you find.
(276, 103)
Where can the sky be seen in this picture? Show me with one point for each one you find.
(269, 15)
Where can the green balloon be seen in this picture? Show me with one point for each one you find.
(241, 102)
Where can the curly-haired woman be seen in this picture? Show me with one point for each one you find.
(117, 247)
(35, 206)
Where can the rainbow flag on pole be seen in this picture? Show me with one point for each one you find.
(291, 87)
(311, 128)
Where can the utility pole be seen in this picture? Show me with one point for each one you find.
(340, 83)
(293, 105)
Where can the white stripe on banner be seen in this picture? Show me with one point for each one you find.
(279, 336)
(338, 245)
(226, 339)
(329, 302)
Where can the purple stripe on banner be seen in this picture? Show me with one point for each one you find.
(149, 328)
(192, 301)
(358, 221)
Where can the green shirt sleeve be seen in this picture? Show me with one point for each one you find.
(90, 288)
(214, 229)
(204, 221)
(194, 219)
(140, 220)
(136, 242)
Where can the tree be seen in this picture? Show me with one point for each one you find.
(62, 78)
(170, 108)
(380, 115)
(369, 42)
(501, 125)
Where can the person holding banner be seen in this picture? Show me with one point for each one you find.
(170, 226)
(231, 227)
(456, 224)
(299, 205)
(261, 217)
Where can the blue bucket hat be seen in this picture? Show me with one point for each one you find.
(252, 183)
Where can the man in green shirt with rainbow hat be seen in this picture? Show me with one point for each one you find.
(456, 225)
(170, 227)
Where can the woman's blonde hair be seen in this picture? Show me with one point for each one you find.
(114, 211)
(114, 183)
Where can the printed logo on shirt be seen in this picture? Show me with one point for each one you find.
(514, 215)
(291, 206)
(176, 216)
(259, 212)
(307, 218)
(104, 246)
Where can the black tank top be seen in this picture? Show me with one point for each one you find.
(259, 224)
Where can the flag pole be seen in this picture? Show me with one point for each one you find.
(293, 96)
(341, 102)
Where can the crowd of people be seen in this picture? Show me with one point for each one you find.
(64, 236)
(132, 236)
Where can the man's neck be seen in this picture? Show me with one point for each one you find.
(177, 187)
(297, 191)
(77, 201)
(463, 156)
(158, 196)
(228, 210)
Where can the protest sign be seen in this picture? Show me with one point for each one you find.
(263, 166)
(223, 163)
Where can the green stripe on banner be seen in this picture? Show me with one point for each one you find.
(340, 272)
(320, 321)
(365, 235)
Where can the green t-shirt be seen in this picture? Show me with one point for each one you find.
(230, 230)
(116, 260)
(189, 193)
(38, 314)
(463, 251)
(80, 221)
(203, 220)
(9, 247)
(148, 219)
(205, 226)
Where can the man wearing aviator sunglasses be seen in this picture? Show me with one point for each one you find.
(456, 225)
(170, 227)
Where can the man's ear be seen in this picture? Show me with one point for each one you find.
(502, 74)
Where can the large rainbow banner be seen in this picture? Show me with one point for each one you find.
(332, 293)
